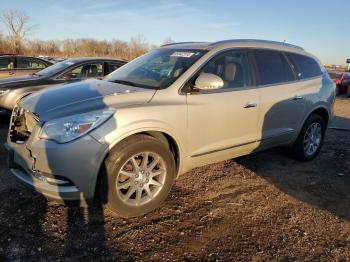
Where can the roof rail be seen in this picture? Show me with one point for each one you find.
(257, 41)
(179, 43)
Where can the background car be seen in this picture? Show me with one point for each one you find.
(343, 84)
(70, 70)
(16, 65)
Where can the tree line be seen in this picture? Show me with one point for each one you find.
(78, 47)
(17, 24)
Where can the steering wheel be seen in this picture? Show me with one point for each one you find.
(151, 73)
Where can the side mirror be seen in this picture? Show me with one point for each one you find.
(206, 81)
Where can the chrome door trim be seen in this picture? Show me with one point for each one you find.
(223, 149)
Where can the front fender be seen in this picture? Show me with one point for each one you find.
(112, 134)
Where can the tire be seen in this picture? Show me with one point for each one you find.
(125, 168)
(299, 151)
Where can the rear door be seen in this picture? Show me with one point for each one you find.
(281, 104)
(7, 66)
(223, 123)
(28, 65)
(310, 79)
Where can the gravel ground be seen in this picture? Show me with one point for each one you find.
(262, 207)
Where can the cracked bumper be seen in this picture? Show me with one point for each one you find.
(77, 162)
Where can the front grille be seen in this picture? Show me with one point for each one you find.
(22, 125)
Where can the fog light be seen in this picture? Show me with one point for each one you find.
(56, 181)
(50, 180)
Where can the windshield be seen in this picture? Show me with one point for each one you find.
(55, 68)
(157, 69)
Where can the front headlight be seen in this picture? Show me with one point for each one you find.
(4, 91)
(66, 129)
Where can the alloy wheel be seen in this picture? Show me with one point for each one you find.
(312, 139)
(141, 178)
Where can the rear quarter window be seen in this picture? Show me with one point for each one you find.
(272, 67)
(113, 66)
(306, 66)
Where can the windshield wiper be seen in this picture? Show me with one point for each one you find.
(124, 82)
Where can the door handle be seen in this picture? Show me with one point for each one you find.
(11, 73)
(297, 98)
(249, 105)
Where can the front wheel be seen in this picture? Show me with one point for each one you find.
(310, 139)
(138, 176)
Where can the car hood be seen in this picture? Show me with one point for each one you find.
(83, 97)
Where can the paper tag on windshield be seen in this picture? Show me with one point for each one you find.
(182, 54)
(69, 63)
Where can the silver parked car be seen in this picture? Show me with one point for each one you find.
(177, 107)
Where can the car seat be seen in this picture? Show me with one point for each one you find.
(229, 74)
(85, 71)
(233, 76)
(93, 71)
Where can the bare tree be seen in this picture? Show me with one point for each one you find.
(168, 40)
(17, 24)
(138, 46)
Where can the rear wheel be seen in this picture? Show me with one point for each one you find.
(139, 175)
(310, 139)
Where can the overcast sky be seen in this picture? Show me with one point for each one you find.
(320, 26)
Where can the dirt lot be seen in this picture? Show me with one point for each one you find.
(260, 207)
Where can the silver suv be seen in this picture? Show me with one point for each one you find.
(184, 105)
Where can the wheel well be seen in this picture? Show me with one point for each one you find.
(170, 142)
(323, 113)
(163, 137)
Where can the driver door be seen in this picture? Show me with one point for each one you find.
(222, 123)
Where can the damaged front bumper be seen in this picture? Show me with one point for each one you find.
(58, 171)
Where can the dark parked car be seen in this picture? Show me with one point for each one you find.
(16, 65)
(70, 70)
(343, 84)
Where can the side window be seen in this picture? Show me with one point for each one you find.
(85, 71)
(6, 63)
(113, 66)
(272, 67)
(29, 63)
(233, 67)
(307, 67)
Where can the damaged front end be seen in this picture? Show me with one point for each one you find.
(23, 130)
(59, 171)
(22, 124)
